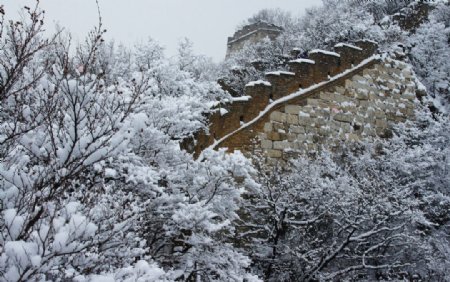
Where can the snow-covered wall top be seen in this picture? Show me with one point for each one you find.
(321, 68)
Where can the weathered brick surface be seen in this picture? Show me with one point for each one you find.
(363, 103)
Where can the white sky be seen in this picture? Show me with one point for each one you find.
(207, 23)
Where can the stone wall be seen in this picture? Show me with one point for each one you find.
(303, 73)
(327, 99)
(364, 106)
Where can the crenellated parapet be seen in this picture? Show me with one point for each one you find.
(319, 67)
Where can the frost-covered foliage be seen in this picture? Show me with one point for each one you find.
(373, 212)
(58, 213)
(430, 55)
(420, 153)
(336, 21)
(93, 184)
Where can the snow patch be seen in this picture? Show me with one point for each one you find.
(325, 52)
(223, 111)
(348, 45)
(370, 41)
(110, 173)
(258, 82)
(299, 61)
(280, 73)
(241, 99)
(303, 114)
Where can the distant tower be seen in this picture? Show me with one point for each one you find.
(252, 33)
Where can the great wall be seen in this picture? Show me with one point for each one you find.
(347, 95)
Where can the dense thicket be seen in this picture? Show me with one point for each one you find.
(94, 185)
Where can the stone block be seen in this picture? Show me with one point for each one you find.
(304, 120)
(292, 109)
(358, 78)
(359, 119)
(384, 77)
(374, 96)
(362, 95)
(301, 138)
(342, 99)
(380, 68)
(380, 114)
(297, 129)
(364, 104)
(317, 103)
(324, 131)
(358, 85)
(407, 111)
(266, 144)
(268, 127)
(291, 137)
(343, 117)
(262, 136)
(346, 127)
(312, 147)
(395, 71)
(281, 145)
(324, 113)
(327, 96)
(353, 137)
(277, 127)
(341, 90)
(370, 72)
(298, 145)
(310, 127)
(391, 85)
(278, 116)
(313, 113)
(410, 96)
(379, 105)
(407, 74)
(273, 162)
(274, 136)
(274, 153)
(391, 116)
(380, 123)
(292, 119)
(410, 88)
(348, 84)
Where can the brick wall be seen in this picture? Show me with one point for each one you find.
(329, 98)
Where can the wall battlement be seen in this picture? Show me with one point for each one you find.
(319, 67)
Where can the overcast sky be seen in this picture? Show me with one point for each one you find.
(207, 23)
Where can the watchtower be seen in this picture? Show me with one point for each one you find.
(252, 33)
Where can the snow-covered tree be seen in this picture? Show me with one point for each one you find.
(430, 55)
(59, 217)
(374, 211)
(91, 164)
